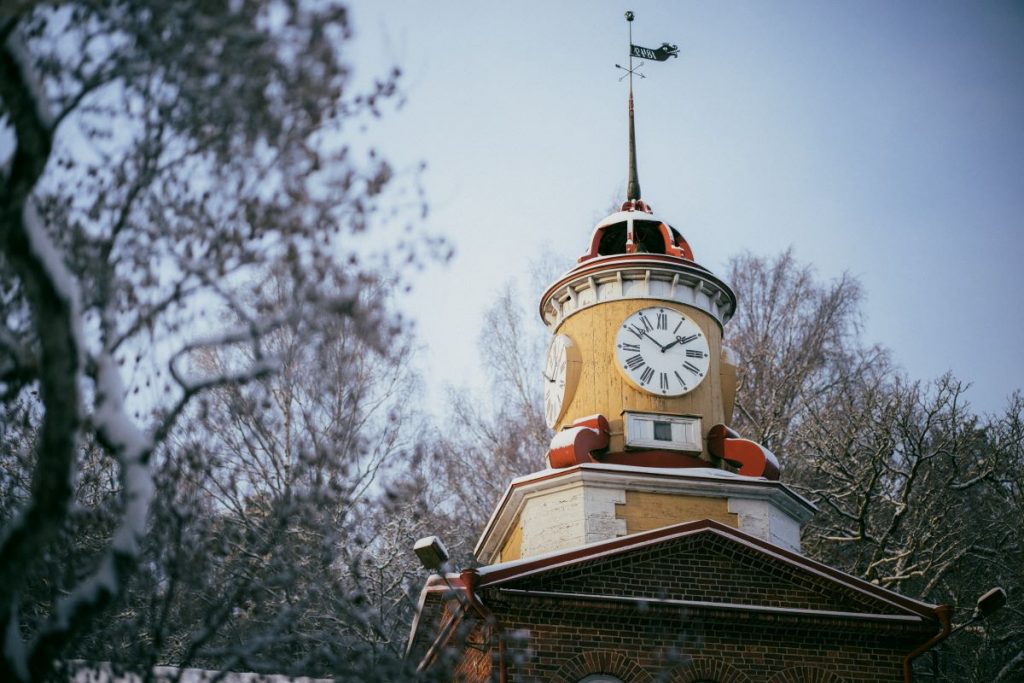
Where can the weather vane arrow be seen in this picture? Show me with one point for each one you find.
(661, 54)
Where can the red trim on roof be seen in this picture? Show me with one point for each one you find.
(652, 457)
(623, 544)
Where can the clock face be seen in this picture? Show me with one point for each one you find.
(661, 351)
(561, 373)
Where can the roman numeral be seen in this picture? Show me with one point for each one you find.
(692, 368)
(678, 325)
(646, 322)
(634, 362)
(690, 353)
(662, 321)
(646, 377)
(635, 348)
(663, 378)
(637, 331)
(680, 378)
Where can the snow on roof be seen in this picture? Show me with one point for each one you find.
(567, 436)
(694, 472)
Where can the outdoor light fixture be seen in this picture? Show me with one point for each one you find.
(990, 602)
(433, 556)
(987, 604)
(432, 553)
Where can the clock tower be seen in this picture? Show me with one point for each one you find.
(657, 544)
(640, 393)
(637, 338)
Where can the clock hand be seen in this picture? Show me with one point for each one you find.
(679, 340)
(546, 376)
(656, 342)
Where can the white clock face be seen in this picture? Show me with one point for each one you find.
(661, 351)
(561, 372)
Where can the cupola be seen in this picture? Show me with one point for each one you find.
(633, 231)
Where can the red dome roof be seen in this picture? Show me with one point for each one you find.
(636, 230)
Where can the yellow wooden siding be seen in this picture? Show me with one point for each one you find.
(728, 374)
(513, 548)
(602, 389)
(644, 511)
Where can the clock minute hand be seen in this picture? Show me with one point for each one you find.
(546, 376)
(655, 341)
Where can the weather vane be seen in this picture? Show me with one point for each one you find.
(660, 54)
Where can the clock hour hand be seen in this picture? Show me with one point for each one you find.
(679, 340)
(546, 377)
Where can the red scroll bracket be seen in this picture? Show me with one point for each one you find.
(752, 459)
(573, 445)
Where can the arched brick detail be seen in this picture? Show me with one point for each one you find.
(609, 662)
(708, 668)
(805, 674)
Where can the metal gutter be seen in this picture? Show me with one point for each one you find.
(945, 615)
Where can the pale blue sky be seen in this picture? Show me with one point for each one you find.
(881, 138)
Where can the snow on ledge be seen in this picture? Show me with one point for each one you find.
(689, 472)
(104, 672)
(567, 437)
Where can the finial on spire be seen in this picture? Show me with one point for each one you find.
(633, 200)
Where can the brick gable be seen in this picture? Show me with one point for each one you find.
(690, 603)
(706, 567)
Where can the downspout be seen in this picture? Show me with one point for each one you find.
(945, 615)
(470, 578)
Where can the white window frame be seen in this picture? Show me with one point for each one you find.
(686, 431)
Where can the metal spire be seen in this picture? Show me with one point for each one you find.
(660, 54)
(633, 187)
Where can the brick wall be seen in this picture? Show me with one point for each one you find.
(567, 640)
(564, 623)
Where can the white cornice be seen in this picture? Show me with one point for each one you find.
(629, 277)
(684, 481)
